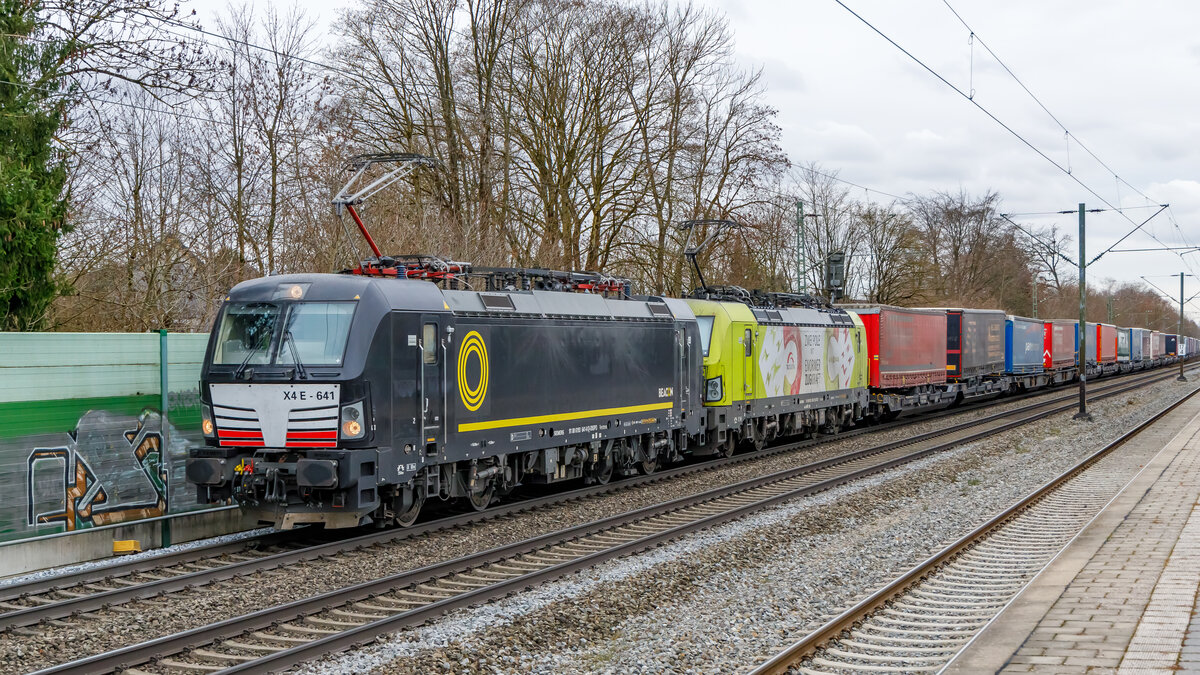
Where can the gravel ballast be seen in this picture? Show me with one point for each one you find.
(723, 600)
(112, 629)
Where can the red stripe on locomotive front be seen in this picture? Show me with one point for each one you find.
(311, 434)
(238, 433)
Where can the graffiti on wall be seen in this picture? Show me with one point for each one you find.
(111, 469)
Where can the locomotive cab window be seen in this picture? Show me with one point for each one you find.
(749, 342)
(315, 333)
(246, 332)
(429, 343)
(706, 327)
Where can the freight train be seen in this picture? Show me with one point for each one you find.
(347, 399)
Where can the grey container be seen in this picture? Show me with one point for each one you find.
(1124, 345)
(982, 341)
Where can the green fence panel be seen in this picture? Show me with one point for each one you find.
(81, 430)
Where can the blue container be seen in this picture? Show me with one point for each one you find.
(1024, 343)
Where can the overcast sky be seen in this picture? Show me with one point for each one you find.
(1123, 77)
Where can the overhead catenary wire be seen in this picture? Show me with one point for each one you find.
(1042, 105)
(975, 103)
(252, 45)
(1165, 294)
(1002, 124)
(1067, 132)
(1023, 214)
(1130, 233)
(246, 43)
(143, 108)
(1050, 246)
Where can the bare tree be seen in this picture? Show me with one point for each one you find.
(1048, 251)
(971, 253)
(835, 226)
(892, 268)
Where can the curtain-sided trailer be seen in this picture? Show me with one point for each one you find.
(1023, 345)
(1059, 345)
(1125, 349)
(1027, 354)
(974, 342)
(1107, 341)
(1158, 347)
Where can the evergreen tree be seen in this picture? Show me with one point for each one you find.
(33, 172)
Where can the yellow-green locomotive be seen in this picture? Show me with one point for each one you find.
(778, 370)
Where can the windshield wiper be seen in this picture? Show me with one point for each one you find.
(291, 343)
(237, 374)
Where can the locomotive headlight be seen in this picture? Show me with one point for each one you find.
(352, 420)
(713, 390)
(290, 291)
(206, 420)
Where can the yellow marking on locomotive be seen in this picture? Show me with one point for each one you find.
(562, 417)
(472, 396)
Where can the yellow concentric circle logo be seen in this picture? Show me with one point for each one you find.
(472, 347)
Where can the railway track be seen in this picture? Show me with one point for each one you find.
(279, 637)
(921, 620)
(63, 596)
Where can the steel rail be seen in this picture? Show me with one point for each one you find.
(202, 554)
(74, 606)
(831, 630)
(123, 569)
(172, 644)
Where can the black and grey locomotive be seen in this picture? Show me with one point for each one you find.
(351, 398)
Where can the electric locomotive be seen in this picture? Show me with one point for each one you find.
(345, 399)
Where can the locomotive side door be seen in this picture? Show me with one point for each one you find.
(682, 390)
(432, 361)
(748, 365)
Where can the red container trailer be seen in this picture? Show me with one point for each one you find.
(1158, 345)
(1059, 344)
(905, 347)
(1106, 341)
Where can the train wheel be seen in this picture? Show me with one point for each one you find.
(727, 448)
(600, 472)
(648, 466)
(410, 516)
(481, 500)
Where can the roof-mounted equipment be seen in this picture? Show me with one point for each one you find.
(531, 279)
(352, 194)
(717, 226)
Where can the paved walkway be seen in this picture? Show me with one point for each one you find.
(1122, 597)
